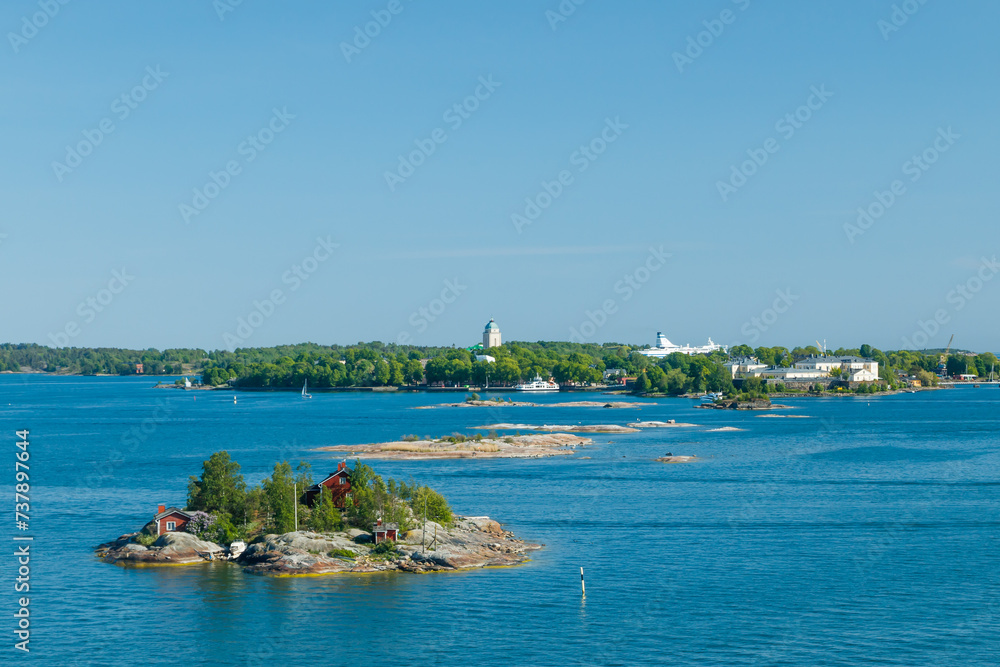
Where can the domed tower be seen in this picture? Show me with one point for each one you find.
(491, 335)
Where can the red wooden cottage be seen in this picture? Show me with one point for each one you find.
(385, 531)
(338, 482)
(170, 520)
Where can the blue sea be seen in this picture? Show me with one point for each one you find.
(843, 531)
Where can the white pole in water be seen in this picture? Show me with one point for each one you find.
(583, 585)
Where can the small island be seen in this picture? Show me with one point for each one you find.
(356, 522)
(474, 401)
(460, 446)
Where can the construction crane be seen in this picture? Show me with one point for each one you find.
(943, 363)
(822, 347)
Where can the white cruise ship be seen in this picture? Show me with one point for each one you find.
(538, 384)
(665, 348)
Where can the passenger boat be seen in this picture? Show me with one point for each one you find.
(538, 384)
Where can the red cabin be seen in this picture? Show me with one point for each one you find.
(385, 531)
(170, 520)
(339, 484)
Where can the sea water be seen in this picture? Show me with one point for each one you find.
(842, 531)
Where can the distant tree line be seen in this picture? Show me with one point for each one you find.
(377, 364)
(91, 361)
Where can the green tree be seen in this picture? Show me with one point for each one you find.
(382, 373)
(220, 488)
(436, 506)
(414, 371)
(325, 517)
(740, 351)
(281, 494)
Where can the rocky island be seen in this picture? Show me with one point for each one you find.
(355, 522)
(460, 447)
(470, 542)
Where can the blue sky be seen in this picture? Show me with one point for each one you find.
(776, 258)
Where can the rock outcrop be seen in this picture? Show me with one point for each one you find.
(168, 549)
(470, 542)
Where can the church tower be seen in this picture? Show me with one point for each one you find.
(491, 335)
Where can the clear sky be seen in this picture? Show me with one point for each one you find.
(622, 122)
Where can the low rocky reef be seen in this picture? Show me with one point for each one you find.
(528, 404)
(733, 404)
(507, 447)
(470, 542)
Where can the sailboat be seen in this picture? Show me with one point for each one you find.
(305, 389)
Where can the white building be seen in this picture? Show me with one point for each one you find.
(665, 348)
(745, 367)
(491, 335)
(852, 369)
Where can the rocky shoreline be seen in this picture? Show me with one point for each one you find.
(469, 543)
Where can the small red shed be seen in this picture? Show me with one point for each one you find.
(170, 520)
(385, 531)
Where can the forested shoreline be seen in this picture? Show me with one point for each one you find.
(386, 365)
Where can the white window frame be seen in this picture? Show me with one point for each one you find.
(171, 525)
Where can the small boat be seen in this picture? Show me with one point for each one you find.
(237, 548)
(538, 384)
(305, 390)
(711, 397)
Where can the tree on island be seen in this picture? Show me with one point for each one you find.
(281, 492)
(325, 517)
(220, 489)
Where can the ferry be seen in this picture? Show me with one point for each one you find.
(538, 384)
